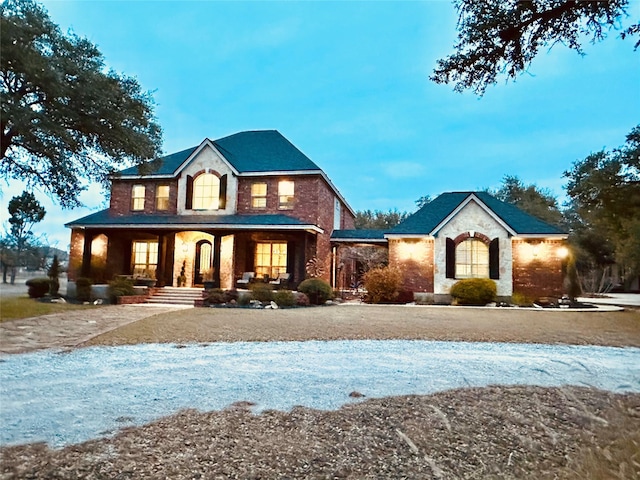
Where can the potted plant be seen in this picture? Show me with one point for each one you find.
(182, 278)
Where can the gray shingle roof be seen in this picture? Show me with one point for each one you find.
(425, 220)
(356, 235)
(248, 152)
(104, 218)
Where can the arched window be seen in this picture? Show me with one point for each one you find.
(472, 259)
(206, 192)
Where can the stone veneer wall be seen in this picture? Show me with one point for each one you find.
(537, 268)
(473, 218)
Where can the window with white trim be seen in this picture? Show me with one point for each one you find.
(286, 190)
(472, 259)
(270, 259)
(145, 258)
(162, 197)
(137, 197)
(206, 192)
(259, 195)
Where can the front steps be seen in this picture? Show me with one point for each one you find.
(175, 296)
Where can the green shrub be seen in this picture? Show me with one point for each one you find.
(382, 285)
(317, 289)
(38, 287)
(83, 289)
(263, 292)
(474, 291)
(284, 298)
(217, 296)
(118, 287)
(521, 299)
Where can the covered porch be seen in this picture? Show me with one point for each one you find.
(192, 255)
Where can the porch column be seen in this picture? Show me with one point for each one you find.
(169, 258)
(85, 271)
(160, 267)
(217, 241)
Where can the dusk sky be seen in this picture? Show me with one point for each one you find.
(348, 84)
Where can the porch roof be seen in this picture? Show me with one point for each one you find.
(358, 236)
(104, 219)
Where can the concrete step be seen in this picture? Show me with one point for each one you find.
(176, 296)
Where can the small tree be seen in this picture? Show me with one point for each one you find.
(25, 211)
(53, 273)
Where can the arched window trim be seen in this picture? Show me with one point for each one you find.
(494, 253)
(220, 196)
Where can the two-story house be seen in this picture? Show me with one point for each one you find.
(247, 202)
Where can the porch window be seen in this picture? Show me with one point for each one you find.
(259, 195)
(137, 197)
(162, 197)
(206, 192)
(145, 258)
(271, 259)
(285, 194)
(472, 259)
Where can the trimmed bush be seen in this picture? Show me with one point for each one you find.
(118, 287)
(83, 289)
(521, 299)
(263, 292)
(317, 289)
(301, 299)
(38, 287)
(217, 296)
(284, 298)
(382, 285)
(474, 291)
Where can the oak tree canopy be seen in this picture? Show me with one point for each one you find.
(502, 37)
(66, 119)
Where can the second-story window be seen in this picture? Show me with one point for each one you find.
(259, 195)
(137, 197)
(162, 197)
(206, 192)
(285, 194)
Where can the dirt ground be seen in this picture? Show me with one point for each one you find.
(381, 322)
(493, 432)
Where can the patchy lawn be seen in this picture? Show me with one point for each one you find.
(12, 308)
(381, 322)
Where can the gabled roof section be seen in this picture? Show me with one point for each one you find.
(259, 151)
(430, 218)
(103, 219)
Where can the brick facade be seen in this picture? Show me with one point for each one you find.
(414, 258)
(121, 196)
(538, 268)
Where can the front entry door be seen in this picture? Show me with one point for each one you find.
(203, 265)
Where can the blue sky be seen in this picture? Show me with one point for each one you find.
(347, 83)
